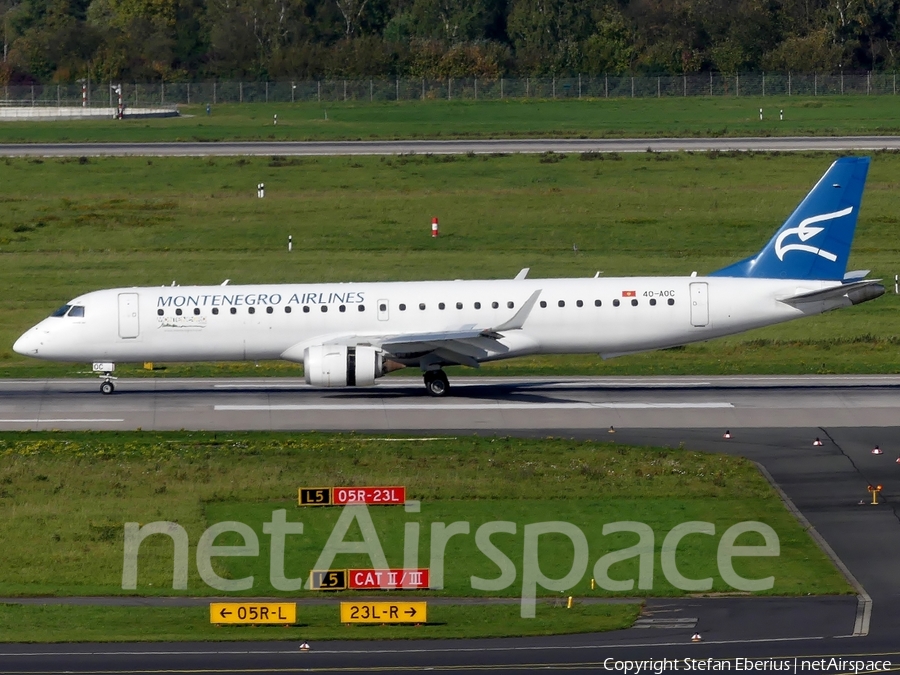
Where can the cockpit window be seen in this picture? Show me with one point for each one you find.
(62, 310)
(77, 311)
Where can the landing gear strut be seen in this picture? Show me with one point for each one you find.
(106, 387)
(436, 382)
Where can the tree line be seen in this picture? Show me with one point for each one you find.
(170, 40)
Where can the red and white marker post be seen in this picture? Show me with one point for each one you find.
(434, 227)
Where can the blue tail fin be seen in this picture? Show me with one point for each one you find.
(814, 242)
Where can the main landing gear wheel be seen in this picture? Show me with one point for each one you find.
(436, 382)
(107, 387)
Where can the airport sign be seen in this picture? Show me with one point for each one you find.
(314, 496)
(342, 496)
(388, 579)
(328, 580)
(252, 613)
(384, 612)
(368, 495)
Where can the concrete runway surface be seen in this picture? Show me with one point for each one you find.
(401, 403)
(322, 148)
(824, 483)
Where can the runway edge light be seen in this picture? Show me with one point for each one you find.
(877, 451)
(726, 435)
(817, 442)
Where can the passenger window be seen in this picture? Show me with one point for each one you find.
(196, 311)
(77, 312)
(562, 303)
(458, 305)
(62, 311)
(402, 307)
(510, 304)
(306, 309)
(579, 303)
(634, 302)
(324, 308)
(616, 303)
(477, 305)
(543, 303)
(342, 308)
(215, 310)
(234, 310)
(159, 312)
(382, 307)
(251, 310)
(287, 310)
(441, 305)
(269, 310)
(495, 304)
(653, 302)
(178, 312)
(421, 305)
(671, 301)
(361, 308)
(597, 303)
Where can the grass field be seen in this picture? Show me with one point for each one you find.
(70, 226)
(66, 497)
(147, 624)
(597, 118)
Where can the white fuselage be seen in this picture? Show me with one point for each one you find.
(609, 316)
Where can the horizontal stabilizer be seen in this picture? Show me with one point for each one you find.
(857, 292)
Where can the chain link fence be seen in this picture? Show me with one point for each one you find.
(92, 94)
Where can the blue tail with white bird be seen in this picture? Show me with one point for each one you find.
(814, 242)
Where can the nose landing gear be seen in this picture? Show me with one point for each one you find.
(436, 382)
(106, 387)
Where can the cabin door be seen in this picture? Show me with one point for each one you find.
(699, 304)
(129, 321)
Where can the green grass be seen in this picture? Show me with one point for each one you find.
(20, 623)
(66, 497)
(68, 228)
(597, 118)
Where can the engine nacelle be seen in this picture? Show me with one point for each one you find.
(342, 366)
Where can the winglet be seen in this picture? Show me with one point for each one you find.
(518, 320)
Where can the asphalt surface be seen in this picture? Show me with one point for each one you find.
(401, 403)
(538, 145)
(826, 483)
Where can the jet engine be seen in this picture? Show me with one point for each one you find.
(342, 366)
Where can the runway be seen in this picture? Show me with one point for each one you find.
(825, 483)
(399, 404)
(538, 145)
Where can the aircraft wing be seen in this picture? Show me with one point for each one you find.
(466, 345)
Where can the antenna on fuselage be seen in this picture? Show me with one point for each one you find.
(225, 283)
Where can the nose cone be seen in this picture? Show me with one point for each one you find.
(28, 344)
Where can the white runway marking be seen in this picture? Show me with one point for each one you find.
(474, 406)
(73, 419)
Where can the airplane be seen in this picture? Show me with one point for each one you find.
(350, 334)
